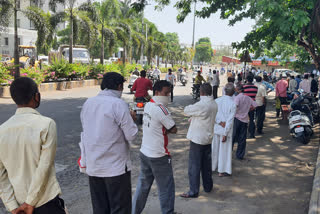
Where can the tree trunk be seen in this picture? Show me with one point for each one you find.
(102, 46)
(71, 38)
(309, 47)
(16, 44)
(158, 61)
(124, 55)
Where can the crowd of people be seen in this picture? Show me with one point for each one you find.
(29, 185)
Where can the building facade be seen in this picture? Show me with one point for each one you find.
(27, 35)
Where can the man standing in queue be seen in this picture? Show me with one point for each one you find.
(155, 159)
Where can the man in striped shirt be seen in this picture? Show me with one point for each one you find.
(251, 90)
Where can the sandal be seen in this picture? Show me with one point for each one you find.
(224, 174)
(187, 195)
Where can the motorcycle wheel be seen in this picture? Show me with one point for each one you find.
(139, 119)
(184, 84)
(303, 139)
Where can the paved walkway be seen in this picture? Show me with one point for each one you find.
(276, 177)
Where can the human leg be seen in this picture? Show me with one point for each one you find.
(145, 181)
(215, 151)
(252, 125)
(194, 167)
(99, 195)
(259, 116)
(119, 193)
(242, 140)
(206, 168)
(163, 174)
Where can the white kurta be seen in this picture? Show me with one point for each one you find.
(222, 151)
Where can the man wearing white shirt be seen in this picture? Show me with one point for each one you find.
(261, 103)
(108, 127)
(155, 159)
(170, 77)
(200, 134)
(156, 72)
(223, 130)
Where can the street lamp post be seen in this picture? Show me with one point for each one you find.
(194, 28)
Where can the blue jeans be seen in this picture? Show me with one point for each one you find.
(159, 169)
(200, 162)
(240, 136)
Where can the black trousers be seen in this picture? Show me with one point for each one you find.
(111, 195)
(55, 206)
(200, 163)
(172, 93)
(240, 136)
(215, 92)
(252, 125)
(261, 115)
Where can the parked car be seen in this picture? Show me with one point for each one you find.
(285, 71)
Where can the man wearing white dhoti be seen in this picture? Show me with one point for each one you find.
(223, 129)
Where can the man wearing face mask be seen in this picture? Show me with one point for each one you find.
(28, 142)
(200, 134)
(108, 128)
(155, 159)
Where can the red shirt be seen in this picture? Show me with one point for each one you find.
(141, 86)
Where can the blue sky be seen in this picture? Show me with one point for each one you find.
(216, 29)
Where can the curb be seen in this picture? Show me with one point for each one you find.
(54, 86)
(314, 205)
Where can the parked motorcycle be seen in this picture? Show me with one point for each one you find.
(138, 107)
(300, 119)
(195, 91)
(132, 79)
(183, 78)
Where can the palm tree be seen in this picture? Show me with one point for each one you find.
(45, 24)
(9, 7)
(75, 16)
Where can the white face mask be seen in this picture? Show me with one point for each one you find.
(164, 100)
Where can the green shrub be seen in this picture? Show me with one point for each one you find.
(33, 73)
(5, 77)
(61, 68)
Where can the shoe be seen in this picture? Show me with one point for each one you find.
(187, 195)
(251, 137)
(260, 132)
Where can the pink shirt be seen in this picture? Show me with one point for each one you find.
(244, 104)
(281, 88)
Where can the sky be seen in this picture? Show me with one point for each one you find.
(213, 27)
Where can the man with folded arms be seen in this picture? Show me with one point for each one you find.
(28, 143)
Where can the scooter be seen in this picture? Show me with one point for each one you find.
(133, 78)
(195, 91)
(300, 120)
(183, 78)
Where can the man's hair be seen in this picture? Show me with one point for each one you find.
(199, 72)
(292, 77)
(112, 80)
(240, 78)
(214, 71)
(170, 70)
(231, 79)
(306, 76)
(250, 78)
(299, 76)
(206, 88)
(143, 73)
(229, 88)
(23, 90)
(159, 85)
(312, 75)
(258, 78)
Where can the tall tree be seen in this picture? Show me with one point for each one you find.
(203, 50)
(7, 9)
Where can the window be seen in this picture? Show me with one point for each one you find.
(18, 22)
(6, 41)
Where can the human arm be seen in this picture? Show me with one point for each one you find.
(194, 110)
(6, 190)
(125, 120)
(134, 87)
(166, 120)
(43, 171)
(229, 120)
